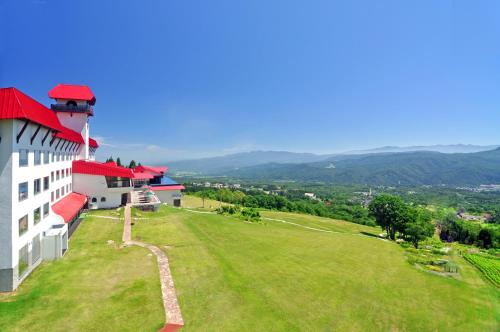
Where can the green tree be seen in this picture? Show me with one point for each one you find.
(495, 217)
(419, 227)
(204, 195)
(110, 159)
(390, 213)
(132, 164)
(118, 161)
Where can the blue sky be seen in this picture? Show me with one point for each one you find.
(183, 79)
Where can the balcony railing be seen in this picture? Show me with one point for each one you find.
(72, 108)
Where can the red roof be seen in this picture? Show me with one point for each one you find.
(93, 143)
(16, 105)
(143, 175)
(160, 170)
(163, 188)
(70, 135)
(97, 168)
(71, 91)
(69, 206)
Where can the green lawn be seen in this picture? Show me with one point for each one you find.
(96, 287)
(232, 275)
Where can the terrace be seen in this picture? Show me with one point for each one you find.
(144, 199)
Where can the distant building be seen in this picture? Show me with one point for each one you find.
(310, 195)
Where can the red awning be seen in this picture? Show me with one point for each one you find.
(163, 188)
(16, 105)
(105, 169)
(71, 91)
(69, 206)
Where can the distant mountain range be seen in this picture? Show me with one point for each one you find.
(222, 164)
(452, 148)
(383, 166)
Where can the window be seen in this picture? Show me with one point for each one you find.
(38, 157)
(57, 175)
(35, 249)
(46, 183)
(45, 209)
(23, 225)
(67, 171)
(37, 215)
(103, 199)
(94, 200)
(23, 157)
(51, 176)
(58, 156)
(23, 191)
(36, 186)
(62, 191)
(46, 157)
(53, 156)
(57, 194)
(52, 196)
(23, 261)
(62, 174)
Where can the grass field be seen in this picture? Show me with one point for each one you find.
(96, 287)
(231, 275)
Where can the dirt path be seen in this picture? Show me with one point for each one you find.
(173, 315)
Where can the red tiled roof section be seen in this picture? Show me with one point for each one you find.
(93, 143)
(152, 169)
(72, 91)
(69, 206)
(70, 135)
(143, 175)
(16, 105)
(163, 188)
(105, 169)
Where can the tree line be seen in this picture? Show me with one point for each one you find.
(256, 199)
(396, 217)
(132, 163)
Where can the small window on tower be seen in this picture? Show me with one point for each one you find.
(71, 104)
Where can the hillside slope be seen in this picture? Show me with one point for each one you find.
(411, 168)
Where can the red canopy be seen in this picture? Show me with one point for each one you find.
(69, 206)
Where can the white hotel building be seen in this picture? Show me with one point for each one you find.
(48, 175)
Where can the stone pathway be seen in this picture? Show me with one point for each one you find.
(173, 315)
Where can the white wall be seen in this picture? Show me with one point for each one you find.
(29, 174)
(94, 186)
(6, 146)
(168, 196)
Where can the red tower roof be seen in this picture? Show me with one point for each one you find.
(71, 91)
(16, 105)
